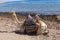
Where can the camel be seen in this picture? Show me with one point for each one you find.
(40, 25)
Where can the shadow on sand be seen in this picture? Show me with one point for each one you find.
(30, 34)
(24, 33)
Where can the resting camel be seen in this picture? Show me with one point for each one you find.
(42, 27)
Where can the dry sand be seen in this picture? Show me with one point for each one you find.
(7, 25)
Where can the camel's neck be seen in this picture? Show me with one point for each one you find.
(16, 18)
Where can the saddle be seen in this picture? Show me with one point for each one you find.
(29, 24)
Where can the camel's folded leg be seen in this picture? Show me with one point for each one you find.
(42, 30)
(21, 27)
(39, 31)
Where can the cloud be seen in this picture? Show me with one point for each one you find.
(41, 0)
(21, 0)
(10, 0)
(26, 1)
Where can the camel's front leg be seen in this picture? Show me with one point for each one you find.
(39, 31)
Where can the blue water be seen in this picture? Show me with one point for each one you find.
(39, 8)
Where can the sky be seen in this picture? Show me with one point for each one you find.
(31, 0)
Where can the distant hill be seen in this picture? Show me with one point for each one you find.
(2, 2)
(44, 8)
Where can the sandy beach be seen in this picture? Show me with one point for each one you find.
(8, 25)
